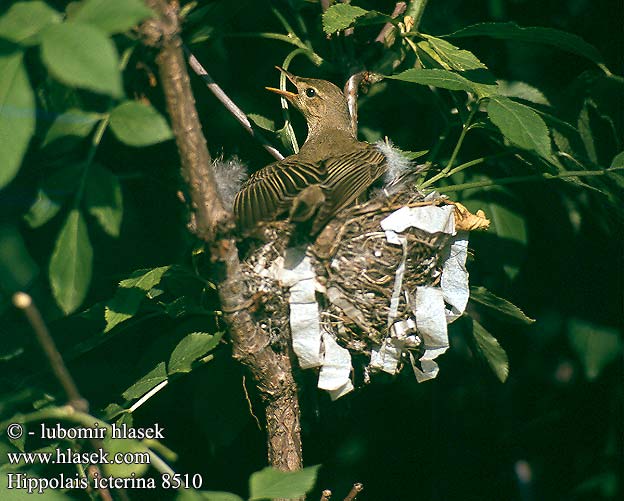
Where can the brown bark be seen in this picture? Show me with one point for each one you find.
(271, 370)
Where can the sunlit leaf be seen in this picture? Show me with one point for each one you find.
(522, 90)
(192, 347)
(152, 379)
(491, 350)
(74, 122)
(24, 20)
(111, 16)
(520, 124)
(17, 115)
(131, 292)
(436, 78)
(499, 305)
(262, 122)
(82, 56)
(456, 58)
(139, 124)
(340, 16)
(103, 199)
(71, 262)
(270, 483)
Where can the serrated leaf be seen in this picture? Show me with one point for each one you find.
(71, 262)
(436, 78)
(74, 122)
(522, 90)
(520, 124)
(456, 58)
(491, 350)
(131, 292)
(24, 20)
(111, 16)
(548, 36)
(270, 483)
(341, 16)
(262, 122)
(82, 56)
(499, 305)
(103, 199)
(596, 346)
(152, 379)
(139, 124)
(17, 115)
(192, 347)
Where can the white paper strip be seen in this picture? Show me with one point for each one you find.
(431, 324)
(454, 280)
(428, 218)
(336, 370)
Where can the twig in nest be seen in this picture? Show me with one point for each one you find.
(357, 488)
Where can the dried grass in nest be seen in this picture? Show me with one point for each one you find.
(356, 265)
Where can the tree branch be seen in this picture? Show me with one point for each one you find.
(272, 371)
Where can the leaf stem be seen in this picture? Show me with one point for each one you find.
(285, 109)
(465, 128)
(291, 39)
(416, 9)
(522, 179)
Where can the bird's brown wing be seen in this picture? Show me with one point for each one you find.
(348, 176)
(270, 191)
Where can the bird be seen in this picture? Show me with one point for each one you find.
(330, 171)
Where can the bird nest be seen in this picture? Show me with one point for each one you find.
(356, 269)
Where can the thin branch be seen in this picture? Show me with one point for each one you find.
(230, 105)
(77, 403)
(24, 302)
(523, 179)
(357, 488)
(272, 370)
(325, 495)
(324, 5)
(415, 10)
(399, 9)
(351, 90)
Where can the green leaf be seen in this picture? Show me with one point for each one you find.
(269, 483)
(70, 264)
(520, 124)
(103, 199)
(491, 350)
(454, 57)
(24, 20)
(74, 122)
(130, 294)
(618, 160)
(17, 115)
(341, 16)
(111, 16)
(139, 124)
(82, 56)
(547, 36)
(437, 78)
(192, 347)
(522, 90)
(152, 379)
(55, 190)
(262, 122)
(596, 346)
(501, 306)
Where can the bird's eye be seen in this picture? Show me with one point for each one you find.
(310, 92)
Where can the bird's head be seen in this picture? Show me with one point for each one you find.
(323, 104)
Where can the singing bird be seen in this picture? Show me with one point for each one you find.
(330, 171)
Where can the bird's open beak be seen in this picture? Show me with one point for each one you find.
(287, 94)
